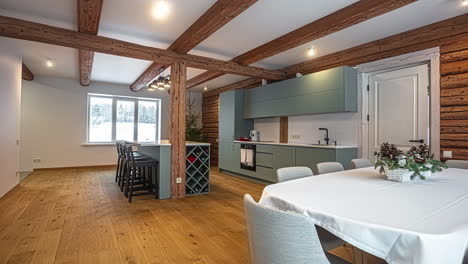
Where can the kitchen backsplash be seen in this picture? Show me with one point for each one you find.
(343, 127)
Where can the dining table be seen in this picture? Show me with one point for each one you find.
(418, 222)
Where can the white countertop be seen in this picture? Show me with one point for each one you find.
(166, 142)
(295, 144)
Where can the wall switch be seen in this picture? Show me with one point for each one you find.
(447, 154)
(179, 180)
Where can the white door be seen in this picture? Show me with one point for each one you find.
(399, 108)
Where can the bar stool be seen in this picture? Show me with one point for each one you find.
(141, 175)
(122, 165)
(120, 161)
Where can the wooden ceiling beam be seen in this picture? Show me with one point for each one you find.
(218, 15)
(346, 17)
(26, 30)
(27, 73)
(89, 15)
(450, 32)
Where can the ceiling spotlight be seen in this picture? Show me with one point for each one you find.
(161, 10)
(205, 88)
(161, 88)
(311, 52)
(49, 63)
(150, 88)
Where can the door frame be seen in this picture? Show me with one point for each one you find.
(431, 57)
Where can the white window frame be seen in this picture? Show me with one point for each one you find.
(116, 98)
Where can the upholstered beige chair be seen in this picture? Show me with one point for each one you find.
(292, 173)
(277, 237)
(360, 163)
(458, 164)
(329, 167)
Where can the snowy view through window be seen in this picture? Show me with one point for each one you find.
(127, 111)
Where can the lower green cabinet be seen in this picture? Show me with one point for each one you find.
(270, 158)
(283, 156)
(265, 173)
(228, 159)
(309, 157)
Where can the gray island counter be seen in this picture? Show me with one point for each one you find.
(197, 166)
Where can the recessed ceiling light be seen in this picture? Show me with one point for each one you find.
(49, 63)
(161, 10)
(465, 3)
(205, 88)
(311, 52)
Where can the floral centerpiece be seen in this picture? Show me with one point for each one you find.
(399, 166)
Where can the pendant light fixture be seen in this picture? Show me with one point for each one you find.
(161, 83)
(167, 83)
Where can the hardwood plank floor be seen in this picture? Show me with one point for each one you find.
(80, 216)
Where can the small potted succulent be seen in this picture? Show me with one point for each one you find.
(416, 163)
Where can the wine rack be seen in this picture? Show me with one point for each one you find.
(197, 170)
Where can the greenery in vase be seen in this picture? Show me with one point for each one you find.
(193, 131)
(416, 160)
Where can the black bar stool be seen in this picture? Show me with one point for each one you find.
(140, 175)
(122, 165)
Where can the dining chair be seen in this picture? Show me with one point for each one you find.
(292, 173)
(329, 167)
(277, 237)
(360, 163)
(141, 175)
(457, 164)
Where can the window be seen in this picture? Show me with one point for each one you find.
(112, 118)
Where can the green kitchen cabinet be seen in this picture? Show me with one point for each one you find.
(232, 124)
(270, 158)
(229, 157)
(310, 157)
(283, 156)
(329, 91)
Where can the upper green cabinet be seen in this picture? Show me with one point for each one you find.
(232, 125)
(329, 91)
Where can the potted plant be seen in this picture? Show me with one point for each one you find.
(416, 163)
(193, 131)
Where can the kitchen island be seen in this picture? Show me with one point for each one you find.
(197, 166)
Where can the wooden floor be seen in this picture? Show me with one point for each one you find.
(80, 216)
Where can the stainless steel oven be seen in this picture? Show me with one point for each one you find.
(247, 157)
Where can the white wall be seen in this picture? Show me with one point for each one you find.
(53, 125)
(343, 127)
(10, 94)
(269, 128)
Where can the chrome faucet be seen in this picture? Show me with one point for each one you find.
(327, 139)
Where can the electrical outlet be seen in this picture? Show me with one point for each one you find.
(179, 180)
(447, 154)
(296, 136)
(36, 160)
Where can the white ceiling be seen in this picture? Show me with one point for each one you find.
(262, 22)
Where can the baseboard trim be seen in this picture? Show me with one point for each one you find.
(78, 167)
(23, 175)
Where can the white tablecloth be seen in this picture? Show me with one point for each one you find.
(424, 222)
